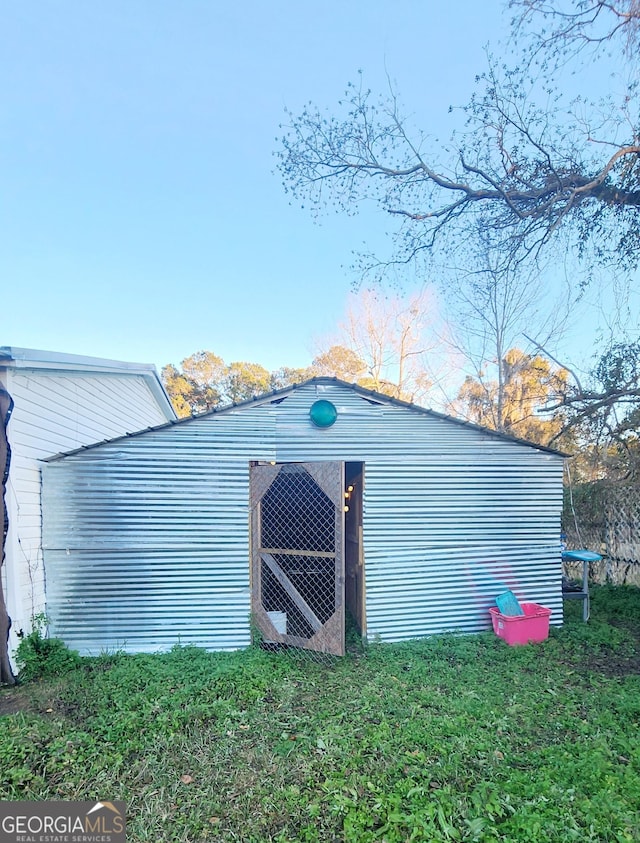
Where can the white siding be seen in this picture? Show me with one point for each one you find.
(56, 412)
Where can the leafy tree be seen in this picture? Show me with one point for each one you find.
(206, 371)
(287, 376)
(604, 412)
(513, 404)
(339, 361)
(179, 389)
(198, 387)
(523, 174)
(245, 380)
(204, 382)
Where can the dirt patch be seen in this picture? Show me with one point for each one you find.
(14, 700)
(610, 663)
(630, 625)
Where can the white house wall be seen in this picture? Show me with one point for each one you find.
(146, 540)
(57, 412)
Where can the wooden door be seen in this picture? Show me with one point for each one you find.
(297, 554)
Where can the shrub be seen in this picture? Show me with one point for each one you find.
(39, 656)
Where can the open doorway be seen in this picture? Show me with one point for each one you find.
(354, 550)
(307, 570)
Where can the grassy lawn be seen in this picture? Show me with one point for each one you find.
(447, 738)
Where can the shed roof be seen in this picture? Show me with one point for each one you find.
(280, 394)
(12, 357)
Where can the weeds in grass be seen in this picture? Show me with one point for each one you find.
(442, 739)
(40, 657)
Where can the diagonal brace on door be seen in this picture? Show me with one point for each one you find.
(306, 611)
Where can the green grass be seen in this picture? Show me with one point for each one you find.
(447, 738)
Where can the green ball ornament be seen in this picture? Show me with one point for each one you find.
(323, 413)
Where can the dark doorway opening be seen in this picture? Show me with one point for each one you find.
(354, 550)
(307, 572)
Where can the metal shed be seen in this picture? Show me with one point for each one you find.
(286, 512)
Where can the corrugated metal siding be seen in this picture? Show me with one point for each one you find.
(56, 412)
(452, 516)
(146, 540)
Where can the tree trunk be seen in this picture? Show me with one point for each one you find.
(6, 406)
(501, 387)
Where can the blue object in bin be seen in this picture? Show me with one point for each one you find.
(507, 604)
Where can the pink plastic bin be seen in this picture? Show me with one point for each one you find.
(533, 626)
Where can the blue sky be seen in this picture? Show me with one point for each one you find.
(141, 217)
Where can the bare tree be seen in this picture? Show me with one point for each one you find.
(387, 342)
(522, 173)
(489, 313)
(570, 27)
(537, 168)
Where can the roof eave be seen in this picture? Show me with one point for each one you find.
(12, 357)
